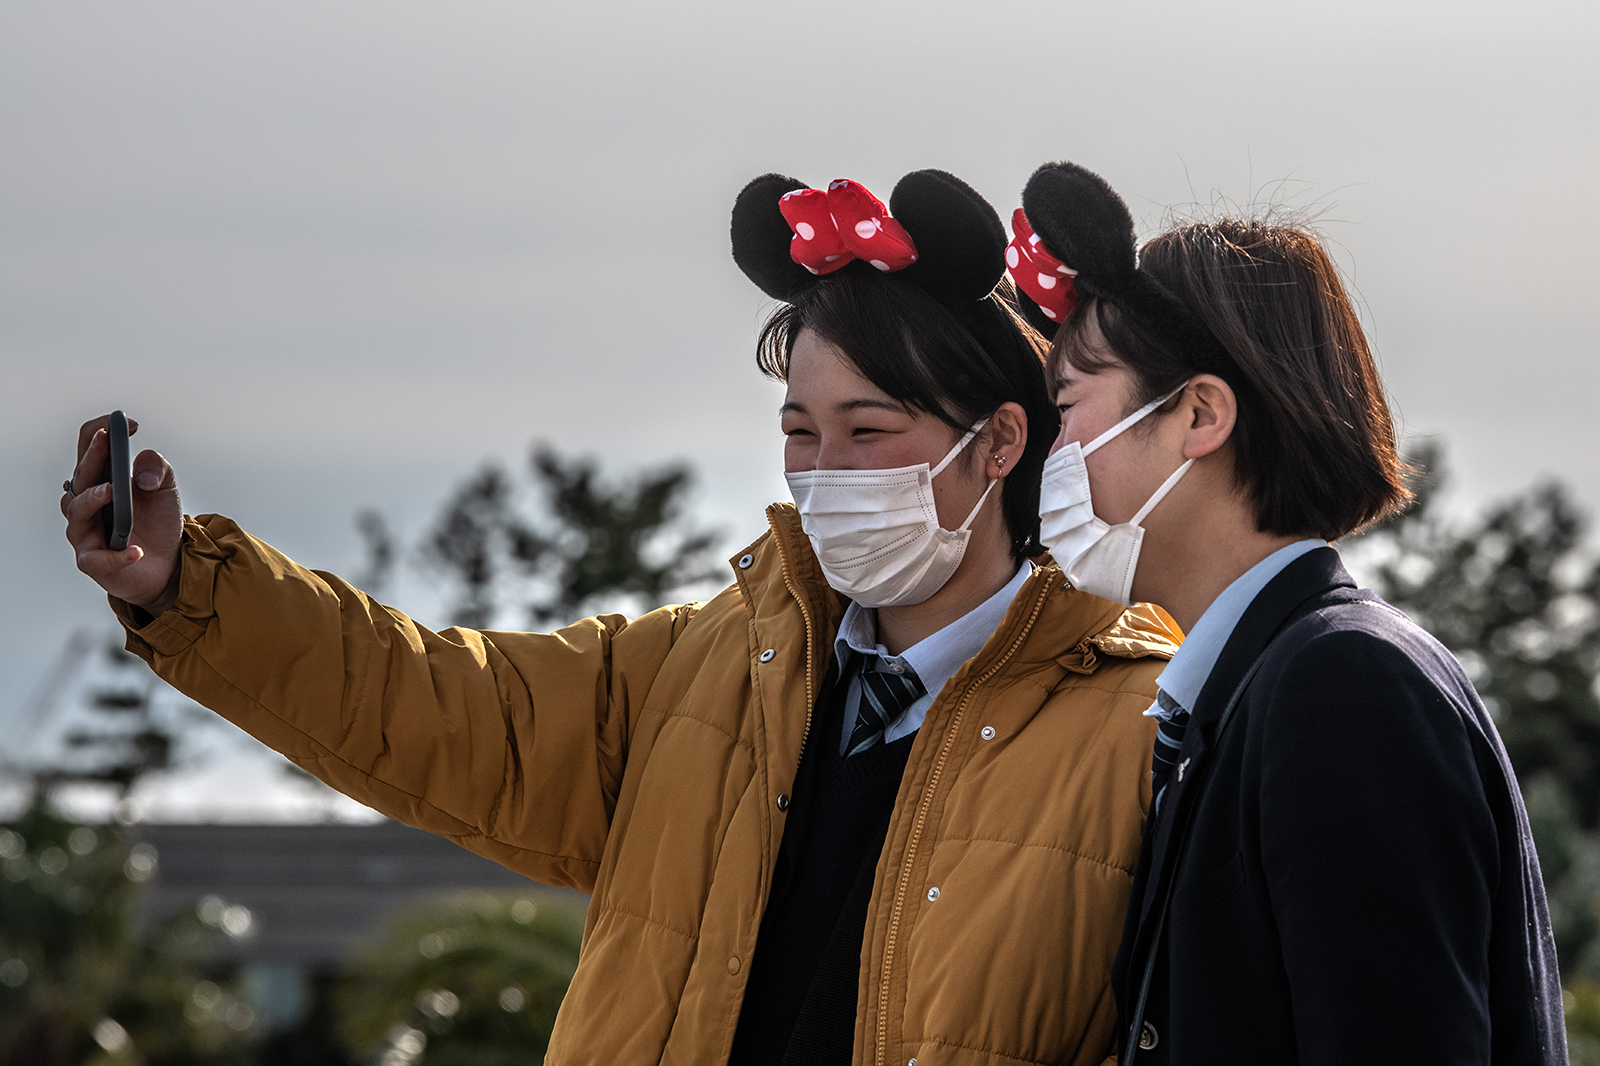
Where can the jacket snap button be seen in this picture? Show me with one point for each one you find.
(1148, 1037)
(767, 655)
(783, 801)
(745, 561)
(933, 893)
(733, 964)
(913, 1062)
(988, 732)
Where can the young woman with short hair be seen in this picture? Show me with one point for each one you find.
(1338, 866)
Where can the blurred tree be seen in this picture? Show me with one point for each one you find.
(1582, 1003)
(603, 541)
(478, 538)
(78, 984)
(1512, 594)
(129, 738)
(599, 541)
(471, 982)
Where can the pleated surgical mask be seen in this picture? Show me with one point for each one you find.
(1099, 559)
(877, 533)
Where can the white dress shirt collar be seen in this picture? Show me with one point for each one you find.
(1186, 674)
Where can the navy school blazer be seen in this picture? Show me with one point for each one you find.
(1349, 866)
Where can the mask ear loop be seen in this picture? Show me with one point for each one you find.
(1130, 420)
(948, 459)
(974, 513)
(957, 450)
(1166, 487)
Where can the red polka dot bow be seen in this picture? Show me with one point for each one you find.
(843, 223)
(1046, 279)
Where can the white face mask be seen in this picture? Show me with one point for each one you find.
(1098, 559)
(876, 532)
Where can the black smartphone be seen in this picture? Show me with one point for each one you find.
(118, 514)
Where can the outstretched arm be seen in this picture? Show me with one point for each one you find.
(512, 744)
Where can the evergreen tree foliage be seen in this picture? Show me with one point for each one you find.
(595, 542)
(128, 736)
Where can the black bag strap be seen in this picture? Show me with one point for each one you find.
(1180, 832)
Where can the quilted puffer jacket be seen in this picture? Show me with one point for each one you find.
(643, 762)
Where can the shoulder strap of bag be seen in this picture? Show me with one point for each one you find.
(1180, 835)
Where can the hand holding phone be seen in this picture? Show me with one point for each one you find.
(124, 517)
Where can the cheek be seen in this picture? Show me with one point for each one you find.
(1111, 485)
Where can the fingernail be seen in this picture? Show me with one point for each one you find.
(147, 480)
(103, 489)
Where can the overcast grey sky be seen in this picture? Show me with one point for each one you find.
(336, 255)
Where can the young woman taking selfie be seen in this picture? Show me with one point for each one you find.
(1338, 866)
(879, 799)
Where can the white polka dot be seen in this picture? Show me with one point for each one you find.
(829, 258)
(1067, 271)
(1012, 257)
(880, 264)
(805, 230)
(810, 268)
(1033, 238)
(1051, 315)
(867, 229)
(913, 258)
(1046, 281)
(835, 183)
(789, 195)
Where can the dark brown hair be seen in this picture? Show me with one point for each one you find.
(957, 366)
(1313, 445)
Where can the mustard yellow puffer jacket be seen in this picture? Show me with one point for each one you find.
(643, 762)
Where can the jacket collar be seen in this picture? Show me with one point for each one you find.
(1047, 621)
(1314, 574)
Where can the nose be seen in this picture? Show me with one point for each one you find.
(832, 453)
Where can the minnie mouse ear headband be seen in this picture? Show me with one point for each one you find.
(937, 234)
(1074, 237)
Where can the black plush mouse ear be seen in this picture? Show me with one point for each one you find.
(1084, 223)
(961, 245)
(761, 239)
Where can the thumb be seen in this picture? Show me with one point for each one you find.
(151, 471)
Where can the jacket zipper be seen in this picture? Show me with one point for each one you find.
(805, 614)
(909, 860)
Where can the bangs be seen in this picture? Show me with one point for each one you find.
(1081, 341)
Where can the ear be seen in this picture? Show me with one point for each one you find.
(1083, 222)
(1007, 439)
(761, 239)
(1211, 410)
(961, 245)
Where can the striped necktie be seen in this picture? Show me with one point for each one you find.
(1169, 742)
(885, 695)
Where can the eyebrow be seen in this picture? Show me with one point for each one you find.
(864, 403)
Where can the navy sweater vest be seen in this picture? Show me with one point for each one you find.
(800, 1002)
